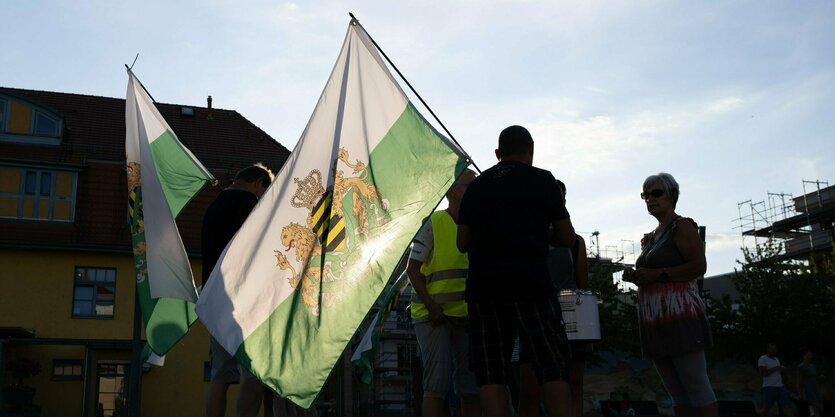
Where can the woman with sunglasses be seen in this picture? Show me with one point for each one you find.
(673, 322)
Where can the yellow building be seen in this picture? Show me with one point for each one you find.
(66, 269)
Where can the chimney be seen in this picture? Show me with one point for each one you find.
(209, 103)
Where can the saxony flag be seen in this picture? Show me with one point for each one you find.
(297, 280)
(163, 176)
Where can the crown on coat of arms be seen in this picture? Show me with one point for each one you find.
(310, 188)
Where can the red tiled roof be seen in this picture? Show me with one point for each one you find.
(94, 141)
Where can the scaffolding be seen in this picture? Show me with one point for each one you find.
(396, 384)
(624, 251)
(610, 257)
(395, 388)
(798, 223)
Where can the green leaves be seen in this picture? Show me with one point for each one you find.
(786, 301)
(618, 314)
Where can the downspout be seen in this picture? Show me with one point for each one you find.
(85, 392)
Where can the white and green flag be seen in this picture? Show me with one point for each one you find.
(297, 280)
(163, 176)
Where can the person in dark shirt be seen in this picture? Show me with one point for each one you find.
(504, 226)
(626, 409)
(222, 220)
(612, 407)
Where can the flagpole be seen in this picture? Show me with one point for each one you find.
(135, 370)
(357, 22)
(140, 82)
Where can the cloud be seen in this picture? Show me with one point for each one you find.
(591, 143)
(805, 167)
(722, 242)
(724, 105)
(572, 134)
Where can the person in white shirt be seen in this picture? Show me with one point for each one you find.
(773, 388)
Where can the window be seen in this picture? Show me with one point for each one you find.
(46, 184)
(25, 122)
(67, 369)
(36, 194)
(94, 292)
(45, 125)
(111, 394)
(31, 182)
(186, 111)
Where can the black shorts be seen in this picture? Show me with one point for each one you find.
(580, 351)
(541, 331)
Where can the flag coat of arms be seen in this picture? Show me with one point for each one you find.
(299, 277)
(163, 176)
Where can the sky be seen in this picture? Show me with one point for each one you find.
(735, 99)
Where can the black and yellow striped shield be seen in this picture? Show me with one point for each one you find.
(327, 224)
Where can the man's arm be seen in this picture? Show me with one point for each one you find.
(581, 265)
(563, 233)
(418, 280)
(766, 371)
(463, 238)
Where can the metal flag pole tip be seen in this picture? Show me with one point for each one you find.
(130, 68)
(130, 71)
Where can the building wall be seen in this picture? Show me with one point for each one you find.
(37, 291)
(55, 398)
(177, 388)
(38, 294)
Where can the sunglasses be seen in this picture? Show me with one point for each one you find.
(654, 194)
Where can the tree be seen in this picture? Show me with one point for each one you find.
(618, 313)
(785, 301)
(723, 315)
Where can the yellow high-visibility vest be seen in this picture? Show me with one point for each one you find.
(445, 271)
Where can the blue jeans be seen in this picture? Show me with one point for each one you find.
(776, 394)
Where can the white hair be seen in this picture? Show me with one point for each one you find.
(668, 183)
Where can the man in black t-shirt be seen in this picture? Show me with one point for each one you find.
(222, 220)
(503, 225)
